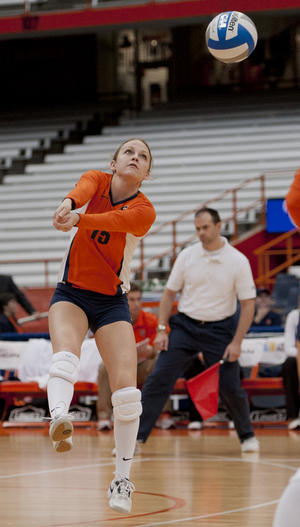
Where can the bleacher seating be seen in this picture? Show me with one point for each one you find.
(285, 292)
(197, 155)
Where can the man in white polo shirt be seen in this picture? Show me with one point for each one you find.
(210, 276)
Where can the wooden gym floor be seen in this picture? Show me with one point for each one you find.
(188, 478)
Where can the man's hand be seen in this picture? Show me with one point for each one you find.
(161, 341)
(232, 351)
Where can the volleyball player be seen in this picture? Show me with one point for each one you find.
(111, 216)
(288, 510)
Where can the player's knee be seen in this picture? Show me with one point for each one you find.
(127, 403)
(65, 365)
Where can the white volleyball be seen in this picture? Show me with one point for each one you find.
(231, 36)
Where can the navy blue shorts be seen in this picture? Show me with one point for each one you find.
(99, 309)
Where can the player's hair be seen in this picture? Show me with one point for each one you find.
(214, 214)
(135, 139)
(135, 287)
(4, 299)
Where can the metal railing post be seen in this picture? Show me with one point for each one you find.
(234, 209)
(263, 201)
(174, 241)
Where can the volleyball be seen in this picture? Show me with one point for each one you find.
(231, 36)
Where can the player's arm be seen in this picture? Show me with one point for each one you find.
(86, 187)
(293, 200)
(137, 219)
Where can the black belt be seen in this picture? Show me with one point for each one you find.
(202, 322)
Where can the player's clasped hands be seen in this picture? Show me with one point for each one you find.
(63, 219)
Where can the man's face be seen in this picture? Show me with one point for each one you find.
(206, 229)
(135, 303)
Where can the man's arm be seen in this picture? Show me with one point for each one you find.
(164, 312)
(234, 350)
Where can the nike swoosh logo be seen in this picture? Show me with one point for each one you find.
(127, 459)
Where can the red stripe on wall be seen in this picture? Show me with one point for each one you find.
(110, 16)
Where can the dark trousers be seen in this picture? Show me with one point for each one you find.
(194, 368)
(186, 338)
(291, 387)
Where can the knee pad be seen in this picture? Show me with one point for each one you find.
(127, 403)
(65, 365)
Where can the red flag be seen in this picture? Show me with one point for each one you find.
(204, 390)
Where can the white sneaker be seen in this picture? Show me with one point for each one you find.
(119, 494)
(250, 445)
(295, 423)
(61, 428)
(137, 450)
(231, 425)
(63, 446)
(195, 425)
(104, 424)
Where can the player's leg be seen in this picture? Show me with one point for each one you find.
(144, 368)
(288, 510)
(67, 327)
(104, 405)
(116, 344)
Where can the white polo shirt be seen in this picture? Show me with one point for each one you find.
(211, 283)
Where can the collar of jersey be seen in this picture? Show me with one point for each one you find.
(124, 200)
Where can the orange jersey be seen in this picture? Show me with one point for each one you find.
(145, 327)
(104, 240)
(293, 200)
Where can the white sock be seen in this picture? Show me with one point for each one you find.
(288, 510)
(60, 394)
(125, 433)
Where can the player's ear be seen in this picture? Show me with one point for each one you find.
(147, 175)
(113, 165)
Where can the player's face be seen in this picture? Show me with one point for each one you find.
(133, 161)
(135, 303)
(207, 230)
